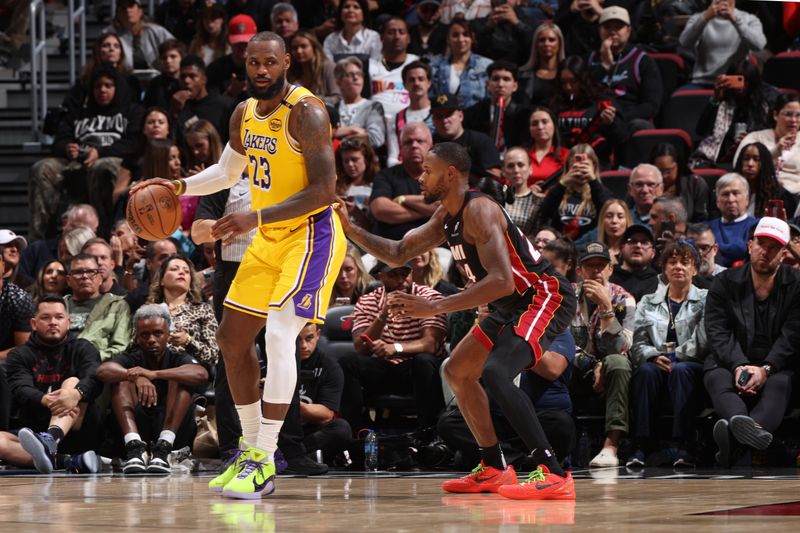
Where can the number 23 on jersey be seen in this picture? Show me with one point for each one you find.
(261, 175)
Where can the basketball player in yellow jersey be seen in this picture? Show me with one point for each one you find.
(281, 135)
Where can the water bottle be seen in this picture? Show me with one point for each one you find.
(669, 349)
(371, 451)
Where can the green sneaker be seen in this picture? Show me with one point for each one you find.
(254, 480)
(234, 465)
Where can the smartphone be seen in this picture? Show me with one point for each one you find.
(579, 158)
(775, 208)
(668, 226)
(744, 377)
(365, 338)
(734, 82)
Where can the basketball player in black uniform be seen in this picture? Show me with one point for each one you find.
(531, 304)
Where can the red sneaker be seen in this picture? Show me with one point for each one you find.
(482, 479)
(541, 485)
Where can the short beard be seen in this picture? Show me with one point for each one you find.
(268, 93)
(432, 197)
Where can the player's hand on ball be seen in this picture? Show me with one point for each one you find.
(234, 224)
(404, 304)
(160, 181)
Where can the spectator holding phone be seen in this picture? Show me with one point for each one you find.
(721, 36)
(753, 329)
(754, 162)
(396, 353)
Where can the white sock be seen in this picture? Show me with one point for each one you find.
(168, 436)
(131, 436)
(268, 437)
(249, 417)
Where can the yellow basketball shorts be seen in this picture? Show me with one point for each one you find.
(299, 264)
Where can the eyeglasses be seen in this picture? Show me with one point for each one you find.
(634, 242)
(83, 273)
(703, 248)
(790, 114)
(639, 185)
(352, 75)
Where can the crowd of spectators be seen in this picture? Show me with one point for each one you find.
(686, 283)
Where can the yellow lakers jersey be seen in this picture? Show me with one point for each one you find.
(276, 164)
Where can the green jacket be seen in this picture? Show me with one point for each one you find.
(108, 325)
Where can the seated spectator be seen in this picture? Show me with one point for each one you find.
(459, 71)
(193, 326)
(545, 151)
(678, 180)
(503, 33)
(41, 251)
(11, 248)
(203, 146)
(161, 88)
(52, 279)
(456, 10)
(311, 68)
(53, 383)
(16, 309)
(754, 163)
(193, 102)
(227, 76)
(524, 211)
(321, 383)
(86, 152)
(732, 229)
(586, 111)
(352, 34)
(257, 10)
(721, 36)
(613, 220)
(730, 114)
(180, 17)
(635, 272)
(603, 329)
(283, 21)
(386, 72)
(417, 81)
(668, 220)
(645, 185)
(627, 70)
(210, 41)
(359, 117)
(782, 141)
(156, 126)
(579, 19)
(429, 35)
(151, 393)
(353, 280)
(543, 236)
(126, 250)
(139, 288)
(396, 202)
(426, 270)
(506, 128)
(547, 385)
(107, 50)
(356, 167)
(572, 205)
(102, 319)
(673, 314)
(101, 250)
(140, 38)
(538, 77)
(752, 330)
(395, 353)
(706, 245)
(448, 121)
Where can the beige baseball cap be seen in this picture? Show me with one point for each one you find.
(615, 13)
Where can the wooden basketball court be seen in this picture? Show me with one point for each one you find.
(611, 500)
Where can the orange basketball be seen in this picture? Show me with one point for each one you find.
(154, 212)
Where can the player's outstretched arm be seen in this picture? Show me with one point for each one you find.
(484, 225)
(396, 253)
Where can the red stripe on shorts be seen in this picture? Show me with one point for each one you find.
(534, 321)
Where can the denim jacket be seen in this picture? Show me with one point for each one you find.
(652, 321)
(473, 79)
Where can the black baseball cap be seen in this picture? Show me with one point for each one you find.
(380, 266)
(635, 229)
(447, 101)
(594, 249)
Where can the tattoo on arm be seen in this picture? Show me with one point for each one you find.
(415, 242)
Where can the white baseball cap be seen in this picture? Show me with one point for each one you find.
(773, 227)
(615, 13)
(7, 237)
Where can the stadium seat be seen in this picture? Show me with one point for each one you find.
(782, 70)
(684, 108)
(616, 181)
(642, 142)
(673, 72)
(336, 331)
(711, 175)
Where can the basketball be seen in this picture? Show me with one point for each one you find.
(154, 212)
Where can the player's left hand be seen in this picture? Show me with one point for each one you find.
(233, 225)
(404, 304)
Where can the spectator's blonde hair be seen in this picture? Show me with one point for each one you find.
(206, 129)
(363, 279)
(433, 272)
(585, 190)
(533, 59)
(601, 218)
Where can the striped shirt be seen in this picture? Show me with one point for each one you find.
(238, 202)
(398, 328)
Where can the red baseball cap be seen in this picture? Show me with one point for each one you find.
(241, 29)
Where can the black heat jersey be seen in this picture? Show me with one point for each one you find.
(527, 264)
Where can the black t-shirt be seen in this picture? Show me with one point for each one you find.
(159, 92)
(16, 310)
(220, 73)
(674, 308)
(481, 149)
(762, 312)
(213, 108)
(321, 381)
(391, 183)
(636, 283)
(134, 357)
